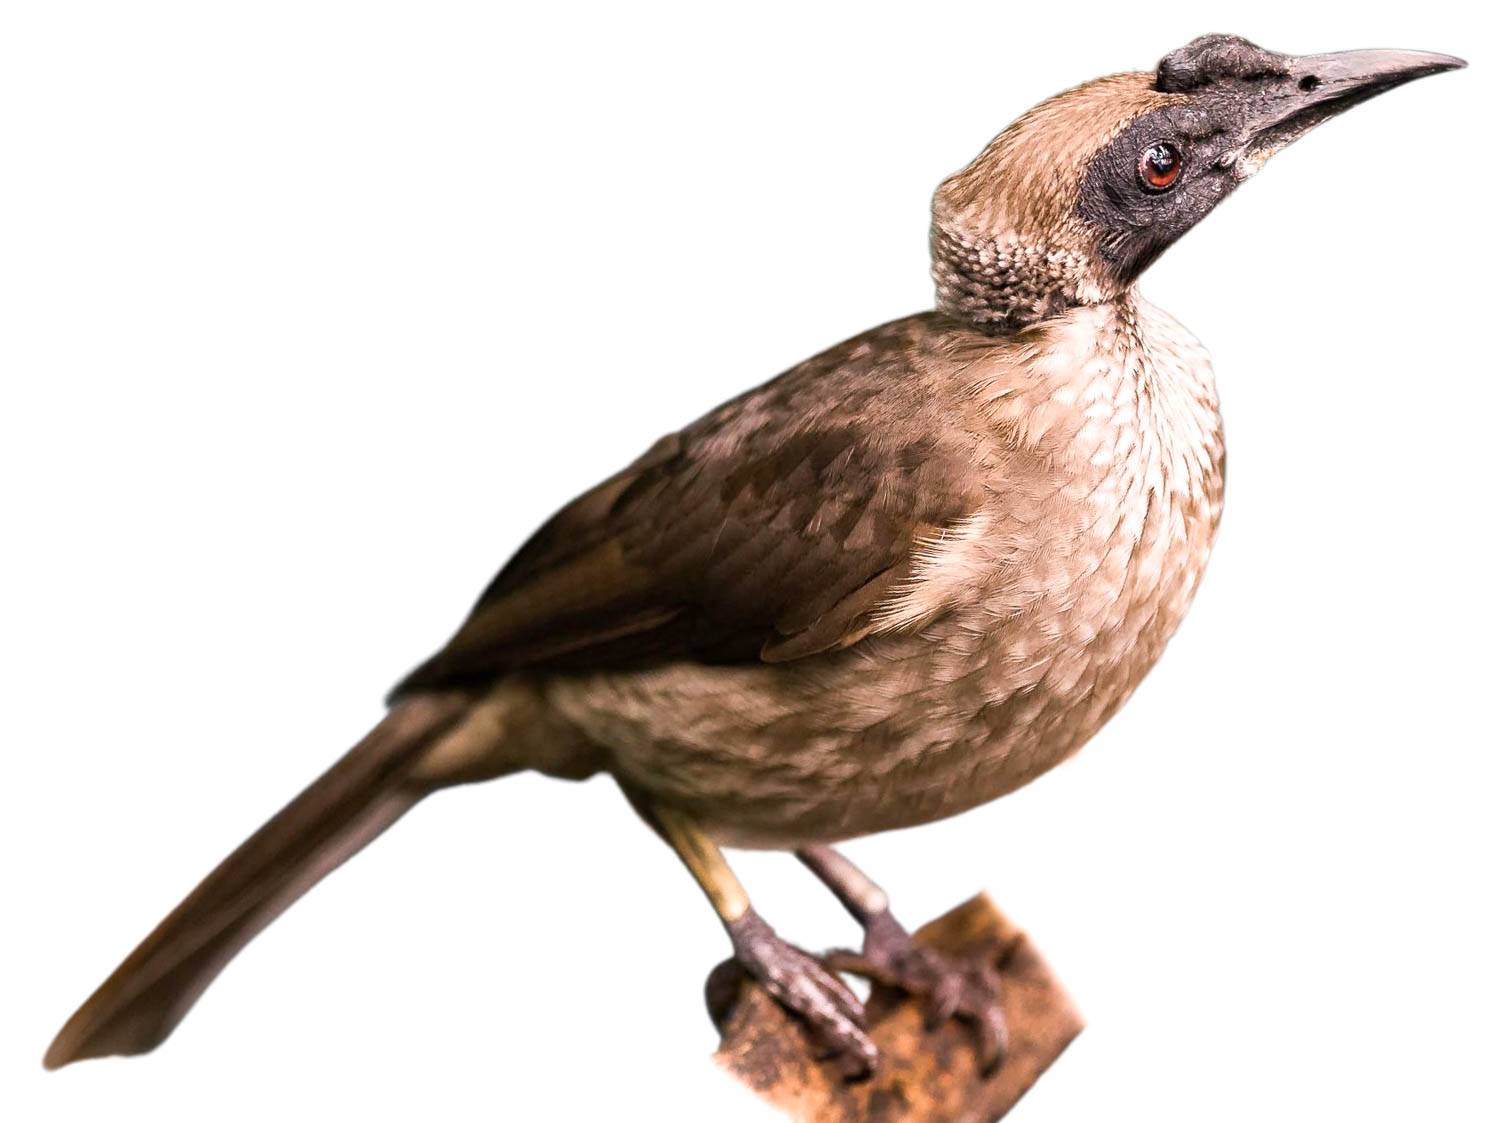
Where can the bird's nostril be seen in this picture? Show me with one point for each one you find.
(1309, 82)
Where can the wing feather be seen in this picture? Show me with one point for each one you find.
(773, 529)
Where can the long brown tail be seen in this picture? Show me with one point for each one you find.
(343, 810)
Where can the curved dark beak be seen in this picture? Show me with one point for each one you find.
(1316, 88)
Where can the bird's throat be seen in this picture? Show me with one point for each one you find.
(1006, 283)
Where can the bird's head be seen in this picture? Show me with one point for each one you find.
(1075, 199)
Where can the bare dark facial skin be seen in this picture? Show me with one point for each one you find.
(1140, 201)
(1241, 103)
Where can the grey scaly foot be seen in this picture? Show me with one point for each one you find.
(964, 988)
(803, 985)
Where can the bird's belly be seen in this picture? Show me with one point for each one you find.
(903, 728)
(1016, 637)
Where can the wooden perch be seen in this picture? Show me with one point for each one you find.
(924, 1075)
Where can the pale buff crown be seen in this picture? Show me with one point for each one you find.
(1008, 244)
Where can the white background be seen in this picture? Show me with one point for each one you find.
(309, 313)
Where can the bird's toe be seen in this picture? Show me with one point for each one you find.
(798, 981)
(968, 989)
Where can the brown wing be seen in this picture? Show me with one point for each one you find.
(769, 530)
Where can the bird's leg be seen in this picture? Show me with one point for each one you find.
(964, 988)
(794, 978)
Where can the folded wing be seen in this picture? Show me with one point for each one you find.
(772, 529)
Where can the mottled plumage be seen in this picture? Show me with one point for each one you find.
(921, 569)
(903, 578)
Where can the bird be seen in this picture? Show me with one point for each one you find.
(899, 580)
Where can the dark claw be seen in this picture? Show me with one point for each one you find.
(945, 999)
(966, 989)
(993, 1040)
(800, 983)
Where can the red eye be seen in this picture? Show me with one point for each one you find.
(1159, 166)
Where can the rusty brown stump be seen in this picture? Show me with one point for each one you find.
(924, 1075)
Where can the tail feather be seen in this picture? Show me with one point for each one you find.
(138, 1006)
